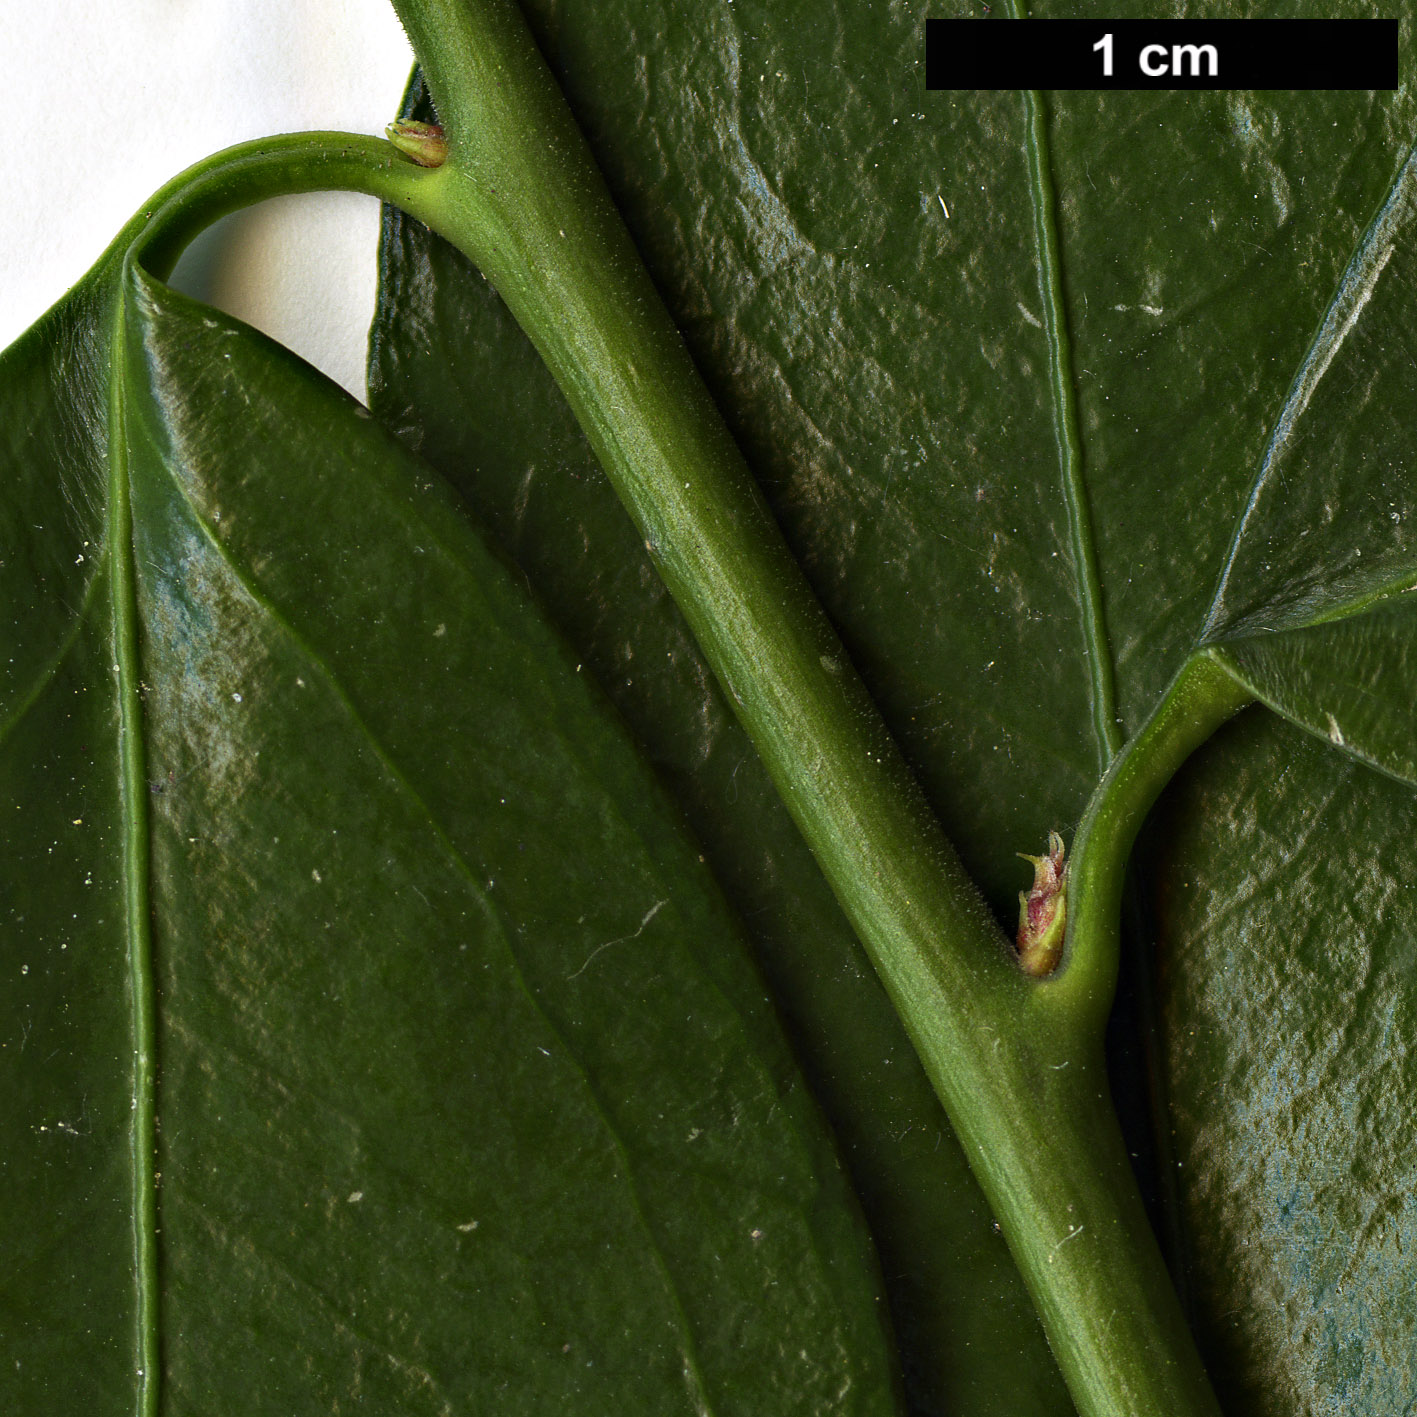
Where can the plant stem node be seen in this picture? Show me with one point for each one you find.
(1043, 911)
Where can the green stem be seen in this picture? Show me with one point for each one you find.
(1020, 1073)
(524, 201)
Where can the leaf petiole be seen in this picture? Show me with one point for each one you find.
(252, 172)
(1202, 696)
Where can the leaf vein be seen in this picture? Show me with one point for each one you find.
(1081, 536)
(1365, 266)
(692, 1364)
(132, 788)
(50, 671)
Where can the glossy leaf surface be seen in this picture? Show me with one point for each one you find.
(1289, 942)
(67, 1278)
(857, 267)
(1311, 606)
(468, 1096)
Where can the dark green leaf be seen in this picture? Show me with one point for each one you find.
(468, 1096)
(856, 267)
(66, 1279)
(1289, 941)
(1310, 610)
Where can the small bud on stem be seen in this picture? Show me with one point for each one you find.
(1043, 911)
(423, 142)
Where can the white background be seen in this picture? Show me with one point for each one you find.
(104, 102)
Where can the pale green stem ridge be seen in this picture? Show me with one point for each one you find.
(1022, 1081)
(1200, 698)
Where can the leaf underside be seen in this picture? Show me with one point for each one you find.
(855, 266)
(468, 1095)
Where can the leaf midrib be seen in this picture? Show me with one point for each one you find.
(132, 792)
(1083, 543)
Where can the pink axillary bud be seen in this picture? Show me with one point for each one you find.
(423, 142)
(1043, 911)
